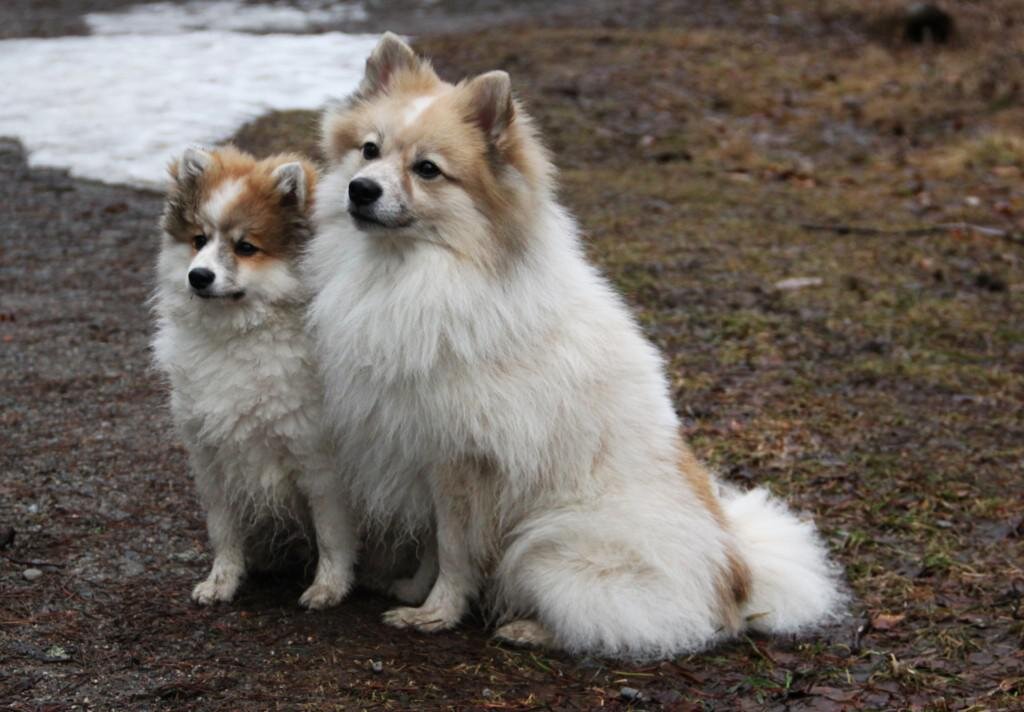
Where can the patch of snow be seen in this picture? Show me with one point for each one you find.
(118, 107)
(164, 18)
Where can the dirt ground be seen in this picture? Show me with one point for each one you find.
(711, 155)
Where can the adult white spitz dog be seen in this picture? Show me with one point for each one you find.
(487, 387)
(245, 395)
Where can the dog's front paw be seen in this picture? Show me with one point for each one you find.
(323, 595)
(218, 588)
(524, 633)
(426, 619)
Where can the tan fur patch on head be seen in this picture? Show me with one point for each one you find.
(344, 129)
(485, 141)
(269, 219)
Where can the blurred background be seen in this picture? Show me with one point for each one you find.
(815, 207)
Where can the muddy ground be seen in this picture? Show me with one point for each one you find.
(710, 155)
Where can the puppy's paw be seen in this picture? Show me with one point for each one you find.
(410, 590)
(524, 634)
(323, 595)
(218, 588)
(426, 619)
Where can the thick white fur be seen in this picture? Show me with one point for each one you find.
(246, 399)
(522, 412)
(427, 361)
(793, 579)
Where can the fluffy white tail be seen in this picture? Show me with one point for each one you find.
(638, 578)
(794, 586)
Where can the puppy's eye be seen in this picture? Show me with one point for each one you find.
(245, 249)
(199, 241)
(371, 150)
(426, 169)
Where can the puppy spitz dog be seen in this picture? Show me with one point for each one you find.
(487, 388)
(245, 395)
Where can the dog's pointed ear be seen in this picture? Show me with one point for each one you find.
(193, 163)
(490, 103)
(291, 182)
(183, 190)
(186, 170)
(391, 55)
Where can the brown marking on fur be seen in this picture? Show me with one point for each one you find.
(478, 167)
(739, 576)
(699, 480)
(278, 229)
(732, 581)
(421, 80)
(732, 588)
(344, 129)
(259, 260)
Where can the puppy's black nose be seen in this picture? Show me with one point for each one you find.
(200, 277)
(364, 191)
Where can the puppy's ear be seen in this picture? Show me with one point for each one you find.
(186, 171)
(391, 55)
(194, 163)
(291, 182)
(183, 192)
(490, 103)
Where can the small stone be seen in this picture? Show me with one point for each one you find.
(131, 564)
(798, 283)
(377, 666)
(630, 694)
(31, 574)
(57, 654)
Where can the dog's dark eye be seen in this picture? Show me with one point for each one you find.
(245, 249)
(371, 150)
(199, 241)
(426, 169)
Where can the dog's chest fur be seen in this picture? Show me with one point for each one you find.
(427, 363)
(245, 399)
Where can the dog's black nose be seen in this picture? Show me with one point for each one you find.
(364, 191)
(200, 277)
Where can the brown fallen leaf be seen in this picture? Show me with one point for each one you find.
(834, 693)
(1006, 171)
(887, 621)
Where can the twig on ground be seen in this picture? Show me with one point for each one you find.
(841, 229)
(30, 562)
(761, 652)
